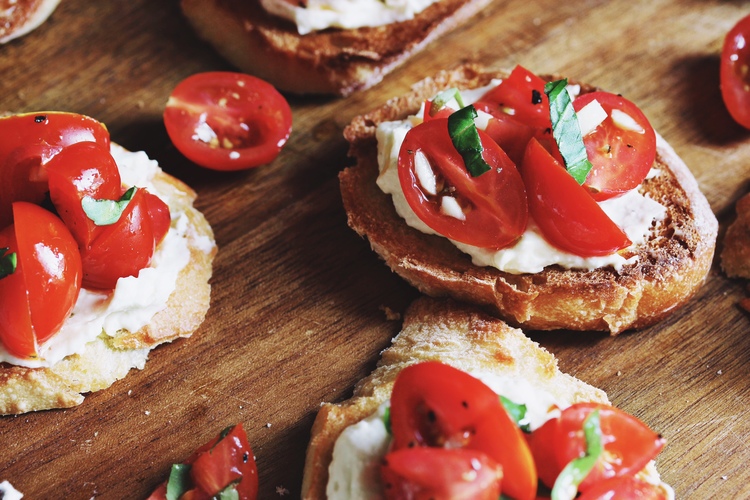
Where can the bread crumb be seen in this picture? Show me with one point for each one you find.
(147, 412)
(390, 314)
(725, 477)
(268, 425)
(281, 491)
(619, 373)
(719, 372)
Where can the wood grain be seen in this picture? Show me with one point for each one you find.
(298, 299)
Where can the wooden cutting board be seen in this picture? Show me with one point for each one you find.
(298, 305)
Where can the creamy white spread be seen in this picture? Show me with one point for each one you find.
(135, 299)
(633, 212)
(347, 14)
(8, 492)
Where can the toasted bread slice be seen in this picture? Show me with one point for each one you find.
(672, 264)
(109, 358)
(333, 61)
(18, 17)
(459, 335)
(735, 257)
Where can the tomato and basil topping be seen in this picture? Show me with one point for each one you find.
(464, 184)
(227, 121)
(453, 437)
(223, 469)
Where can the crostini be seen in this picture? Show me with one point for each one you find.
(19, 17)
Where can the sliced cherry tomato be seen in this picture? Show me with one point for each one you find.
(622, 148)
(520, 96)
(29, 141)
(567, 216)
(429, 114)
(628, 444)
(227, 121)
(79, 170)
(38, 297)
(492, 208)
(511, 135)
(440, 474)
(160, 217)
(433, 404)
(734, 74)
(623, 488)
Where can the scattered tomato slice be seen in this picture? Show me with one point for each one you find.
(227, 121)
(734, 72)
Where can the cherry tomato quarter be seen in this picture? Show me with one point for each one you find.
(488, 211)
(440, 474)
(29, 141)
(622, 149)
(567, 216)
(38, 297)
(520, 96)
(734, 73)
(623, 488)
(436, 405)
(227, 121)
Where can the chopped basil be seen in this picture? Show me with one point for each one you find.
(228, 493)
(106, 212)
(517, 412)
(179, 481)
(566, 131)
(444, 97)
(8, 262)
(387, 420)
(465, 138)
(566, 484)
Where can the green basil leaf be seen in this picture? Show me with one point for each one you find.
(179, 481)
(8, 262)
(106, 212)
(566, 484)
(387, 420)
(444, 97)
(517, 412)
(465, 138)
(566, 131)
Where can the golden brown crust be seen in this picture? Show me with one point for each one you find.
(333, 61)
(108, 359)
(735, 256)
(442, 330)
(669, 270)
(18, 17)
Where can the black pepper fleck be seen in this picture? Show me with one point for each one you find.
(40, 118)
(536, 97)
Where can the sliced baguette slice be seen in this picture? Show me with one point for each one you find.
(107, 358)
(671, 265)
(23, 16)
(461, 336)
(333, 61)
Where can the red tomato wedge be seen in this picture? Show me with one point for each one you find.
(628, 443)
(622, 148)
(440, 474)
(490, 209)
(29, 141)
(520, 96)
(436, 405)
(623, 488)
(38, 297)
(735, 72)
(227, 121)
(567, 216)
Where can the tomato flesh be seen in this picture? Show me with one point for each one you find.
(734, 72)
(38, 297)
(520, 96)
(623, 488)
(567, 216)
(493, 208)
(227, 121)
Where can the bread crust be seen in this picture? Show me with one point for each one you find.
(333, 61)
(18, 17)
(670, 268)
(108, 359)
(439, 330)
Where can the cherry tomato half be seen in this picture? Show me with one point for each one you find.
(567, 216)
(440, 474)
(29, 141)
(520, 96)
(38, 297)
(622, 148)
(436, 405)
(227, 121)
(628, 443)
(623, 488)
(735, 72)
(491, 208)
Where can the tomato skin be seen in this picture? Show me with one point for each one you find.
(433, 404)
(30, 140)
(567, 216)
(251, 120)
(440, 474)
(229, 460)
(734, 80)
(520, 96)
(623, 488)
(498, 214)
(38, 297)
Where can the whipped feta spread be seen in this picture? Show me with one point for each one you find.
(135, 299)
(8, 492)
(347, 14)
(633, 212)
